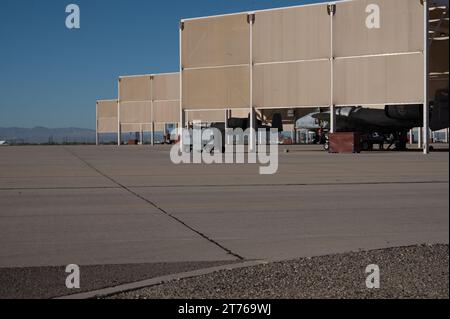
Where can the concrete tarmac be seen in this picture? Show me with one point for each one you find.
(107, 205)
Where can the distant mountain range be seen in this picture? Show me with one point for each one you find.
(71, 135)
(41, 135)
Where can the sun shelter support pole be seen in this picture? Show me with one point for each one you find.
(426, 122)
(332, 11)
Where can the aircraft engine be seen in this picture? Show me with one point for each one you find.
(404, 112)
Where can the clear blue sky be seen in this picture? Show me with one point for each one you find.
(51, 76)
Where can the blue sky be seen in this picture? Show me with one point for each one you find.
(51, 76)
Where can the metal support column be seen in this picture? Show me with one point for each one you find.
(252, 137)
(419, 138)
(332, 12)
(226, 118)
(119, 127)
(96, 124)
(426, 122)
(182, 119)
(153, 134)
(152, 104)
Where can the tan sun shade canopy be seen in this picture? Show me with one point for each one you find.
(302, 84)
(205, 116)
(214, 115)
(378, 65)
(291, 52)
(135, 112)
(400, 29)
(107, 116)
(148, 99)
(216, 41)
(216, 57)
(306, 57)
(135, 102)
(166, 98)
(292, 34)
(218, 88)
(137, 88)
(166, 87)
(379, 80)
(131, 128)
(166, 111)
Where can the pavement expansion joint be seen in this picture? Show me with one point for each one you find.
(228, 251)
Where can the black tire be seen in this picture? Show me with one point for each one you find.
(237, 123)
(277, 122)
(365, 146)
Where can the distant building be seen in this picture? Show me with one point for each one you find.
(3, 143)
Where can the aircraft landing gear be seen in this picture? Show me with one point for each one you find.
(366, 146)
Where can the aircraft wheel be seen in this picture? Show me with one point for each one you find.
(365, 146)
